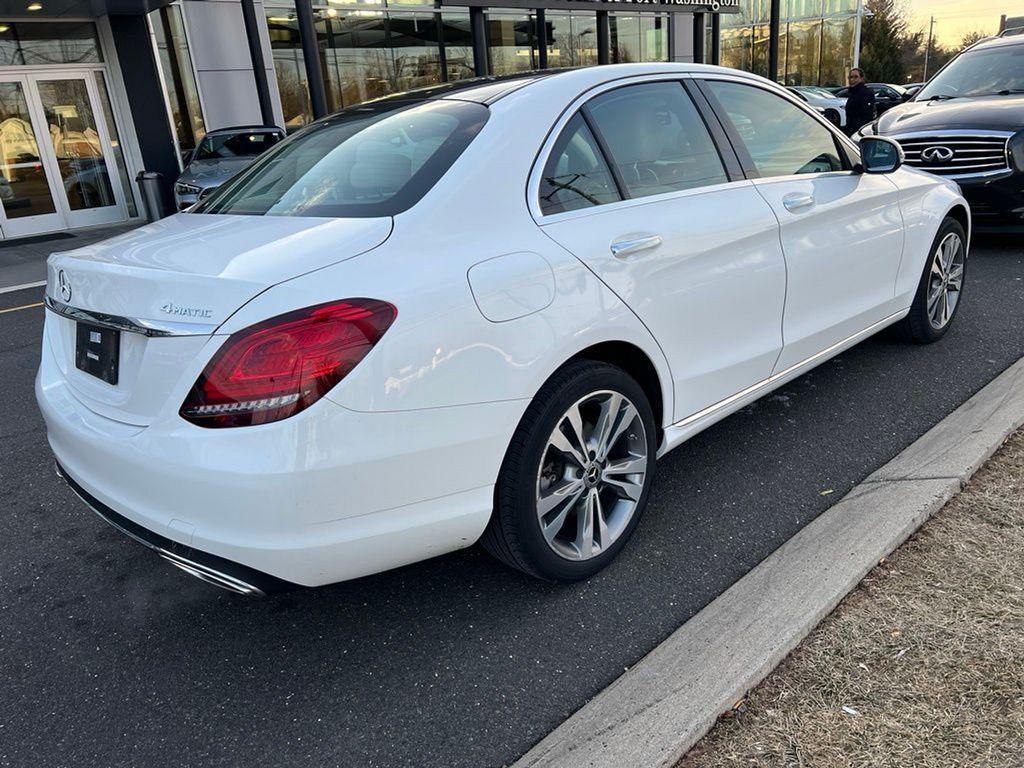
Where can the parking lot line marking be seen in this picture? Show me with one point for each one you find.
(22, 287)
(23, 306)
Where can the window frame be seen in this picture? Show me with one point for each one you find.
(730, 161)
(848, 152)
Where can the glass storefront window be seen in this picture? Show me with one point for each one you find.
(735, 48)
(58, 42)
(368, 53)
(512, 43)
(572, 38)
(837, 50)
(115, 143)
(801, 9)
(759, 50)
(624, 38)
(803, 53)
(179, 78)
(457, 40)
(654, 38)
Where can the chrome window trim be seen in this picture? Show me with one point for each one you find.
(150, 328)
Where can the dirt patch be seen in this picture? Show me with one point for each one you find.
(922, 665)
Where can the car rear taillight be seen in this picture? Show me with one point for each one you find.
(274, 369)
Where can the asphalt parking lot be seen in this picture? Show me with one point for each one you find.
(111, 657)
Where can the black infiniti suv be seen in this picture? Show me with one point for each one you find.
(967, 124)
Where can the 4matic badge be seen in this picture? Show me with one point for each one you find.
(170, 308)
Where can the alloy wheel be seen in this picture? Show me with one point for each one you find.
(592, 475)
(946, 280)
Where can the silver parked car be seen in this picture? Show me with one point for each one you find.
(220, 155)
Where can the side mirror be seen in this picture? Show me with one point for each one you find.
(880, 155)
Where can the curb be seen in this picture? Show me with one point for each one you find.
(654, 713)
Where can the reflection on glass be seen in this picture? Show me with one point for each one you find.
(803, 53)
(458, 44)
(837, 50)
(59, 42)
(572, 38)
(735, 50)
(115, 142)
(624, 38)
(654, 37)
(76, 143)
(366, 54)
(23, 187)
(759, 50)
(179, 79)
(512, 44)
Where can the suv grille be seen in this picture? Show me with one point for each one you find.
(957, 155)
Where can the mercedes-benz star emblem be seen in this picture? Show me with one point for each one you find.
(64, 285)
(937, 154)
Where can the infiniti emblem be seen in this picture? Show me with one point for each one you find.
(64, 285)
(937, 154)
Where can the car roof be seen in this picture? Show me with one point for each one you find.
(246, 128)
(997, 42)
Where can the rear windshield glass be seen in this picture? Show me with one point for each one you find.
(228, 145)
(373, 160)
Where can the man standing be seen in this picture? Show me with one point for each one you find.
(860, 103)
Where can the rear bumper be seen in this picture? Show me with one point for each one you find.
(327, 495)
(226, 574)
(997, 204)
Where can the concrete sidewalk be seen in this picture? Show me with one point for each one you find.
(23, 261)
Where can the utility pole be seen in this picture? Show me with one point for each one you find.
(928, 48)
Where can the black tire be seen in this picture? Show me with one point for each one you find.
(514, 533)
(833, 117)
(917, 326)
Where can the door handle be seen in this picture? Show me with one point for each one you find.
(797, 202)
(623, 248)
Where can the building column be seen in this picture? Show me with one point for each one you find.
(604, 36)
(144, 92)
(716, 39)
(773, 40)
(311, 58)
(698, 38)
(259, 65)
(478, 31)
(680, 37)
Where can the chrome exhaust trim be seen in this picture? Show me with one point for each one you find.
(209, 575)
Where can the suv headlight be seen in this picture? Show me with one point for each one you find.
(1016, 149)
(187, 189)
(868, 130)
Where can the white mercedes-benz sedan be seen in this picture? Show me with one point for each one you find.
(477, 312)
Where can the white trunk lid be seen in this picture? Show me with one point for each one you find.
(191, 271)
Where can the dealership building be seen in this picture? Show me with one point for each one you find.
(94, 91)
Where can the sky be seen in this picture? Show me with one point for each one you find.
(956, 18)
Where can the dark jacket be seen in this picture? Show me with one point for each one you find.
(860, 107)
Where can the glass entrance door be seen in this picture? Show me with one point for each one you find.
(25, 185)
(59, 165)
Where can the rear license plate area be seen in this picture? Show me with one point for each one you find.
(96, 351)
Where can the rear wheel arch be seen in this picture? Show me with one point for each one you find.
(639, 365)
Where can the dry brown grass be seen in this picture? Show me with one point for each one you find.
(927, 653)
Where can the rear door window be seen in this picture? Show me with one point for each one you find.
(367, 161)
(576, 174)
(657, 139)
